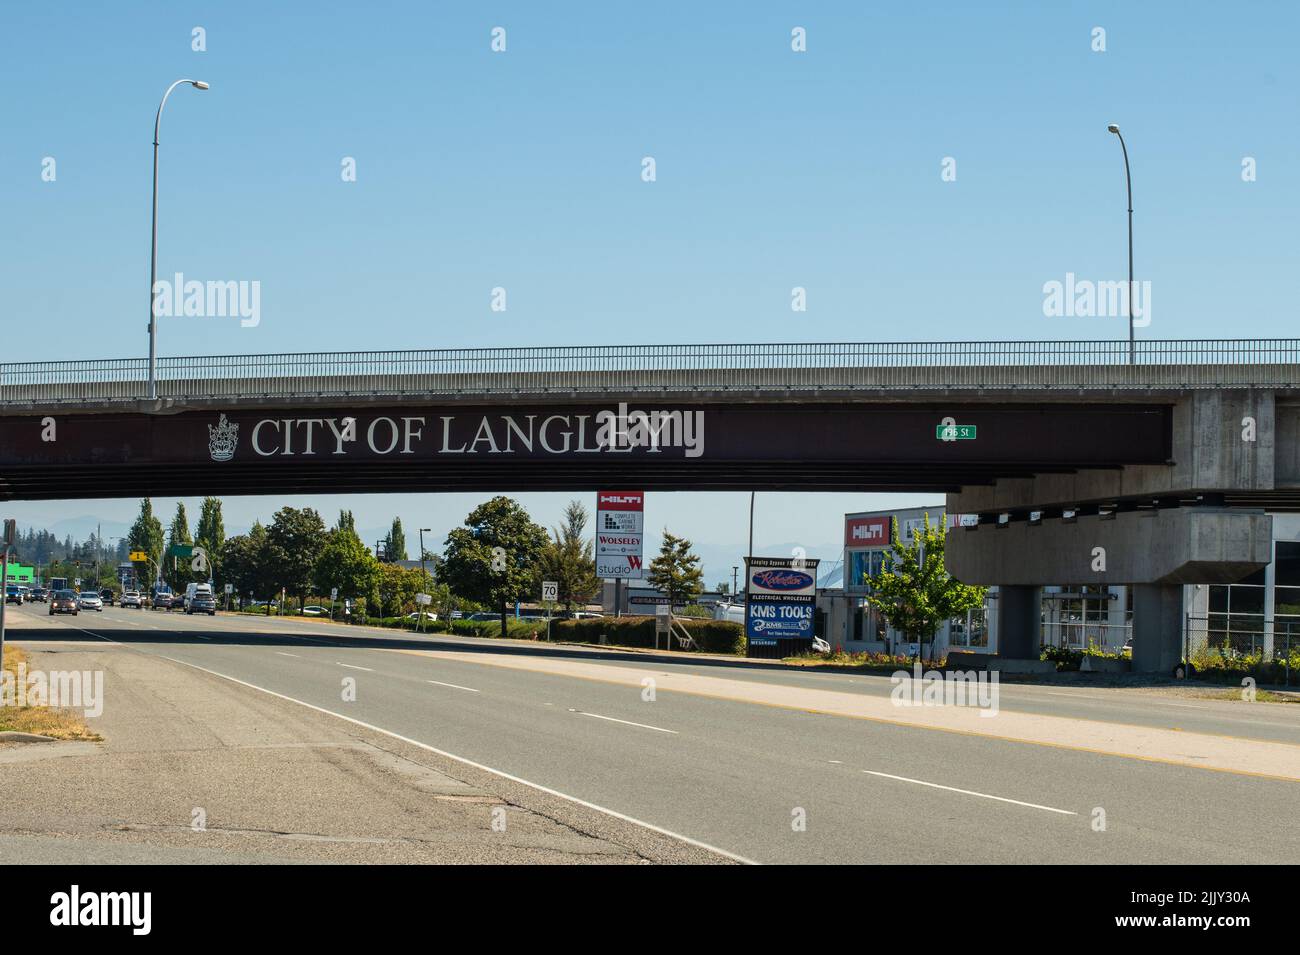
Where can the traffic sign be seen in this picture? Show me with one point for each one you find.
(334, 593)
(955, 432)
(550, 591)
(423, 599)
(230, 588)
(138, 555)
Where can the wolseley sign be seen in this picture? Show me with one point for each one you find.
(620, 520)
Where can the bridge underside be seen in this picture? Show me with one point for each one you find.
(772, 445)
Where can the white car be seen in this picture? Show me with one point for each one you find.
(131, 598)
(315, 611)
(426, 614)
(89, 600)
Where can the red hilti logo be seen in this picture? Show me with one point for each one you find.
(620, 500)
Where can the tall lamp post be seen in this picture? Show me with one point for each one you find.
(153, 246)
(419, 620)
(1128, 179)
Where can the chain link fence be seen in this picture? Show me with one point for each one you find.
(1267, 648)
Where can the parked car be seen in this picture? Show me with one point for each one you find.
(131, 598)
(413, 617)
(13, 595)
(483, 616)
(89, 600)
(313, 610)
(63, 601)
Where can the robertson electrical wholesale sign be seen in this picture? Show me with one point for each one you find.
(620, 523)
(780, 599)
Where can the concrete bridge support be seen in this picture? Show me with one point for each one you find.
(1155, 551)
(1158, 620)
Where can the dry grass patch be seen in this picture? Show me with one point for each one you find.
(52, 721)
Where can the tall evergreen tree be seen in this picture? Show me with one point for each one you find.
(395, 542)
(146, 535)
(568, 559)
(676, 571)
(176, 570)
(211, 535)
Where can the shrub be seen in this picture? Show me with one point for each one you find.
(711, 636)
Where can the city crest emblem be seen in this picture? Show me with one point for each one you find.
(223, 437)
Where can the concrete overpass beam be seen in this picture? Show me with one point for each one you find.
(1186, 545)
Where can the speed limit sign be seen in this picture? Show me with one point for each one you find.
(550, 590)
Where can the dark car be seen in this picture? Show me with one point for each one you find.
(160, 598)
(63, 601)
(106, 595)
(202, 603)
(39, 595)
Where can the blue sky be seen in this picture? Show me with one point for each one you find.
(522, 170)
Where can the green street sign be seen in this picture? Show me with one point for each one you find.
(180, 550)
(955, 432)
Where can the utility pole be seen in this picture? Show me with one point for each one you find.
(10, 533)
(735, 580)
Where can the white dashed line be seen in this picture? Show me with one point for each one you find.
(351, 667)
(968, 792)
(454, 686)
(644, 726)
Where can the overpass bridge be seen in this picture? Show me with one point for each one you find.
(1167, 462)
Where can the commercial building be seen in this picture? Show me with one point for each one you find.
(1259, 614)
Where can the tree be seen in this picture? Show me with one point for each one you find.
(493, 559)
(395, 542)
(913, 590)
(346, 563)
(176, 570)
(676, 571)
(243, 563)
(347, 520)
(294, 542)
(146, 535)
(211, 536)
(567, 559)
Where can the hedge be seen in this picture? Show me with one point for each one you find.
(712, 636)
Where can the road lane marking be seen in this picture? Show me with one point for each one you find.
(501, 774)
(971, 792)
(351, 667)
(454, 686)
(644, 726)
(283, 654)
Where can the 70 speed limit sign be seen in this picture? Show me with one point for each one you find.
(550, 590)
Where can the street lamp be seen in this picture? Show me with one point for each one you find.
(1128, 179)
(153, 248)
(425, 577)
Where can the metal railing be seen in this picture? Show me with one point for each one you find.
(1010, 365)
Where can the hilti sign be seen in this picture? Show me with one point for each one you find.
(620, 501)
(620, 519)
(866, 532)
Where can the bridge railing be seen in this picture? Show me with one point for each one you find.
(672, 368)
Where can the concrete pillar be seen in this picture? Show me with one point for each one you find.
(1019, 622)
(1157, 627)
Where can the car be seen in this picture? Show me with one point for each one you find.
(427, 615)
(106, 595)
(89, 600)
(13, 595)
(63, 601)
(160, 598)
(202, 603)
(483, 616)
(131, 598)
(40, 595)
(314, 610)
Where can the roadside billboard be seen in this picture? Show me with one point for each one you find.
(780, 604)
(620, 524)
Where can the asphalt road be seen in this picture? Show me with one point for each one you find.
(763, 783)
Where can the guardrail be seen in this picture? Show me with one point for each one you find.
(1172, 364)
